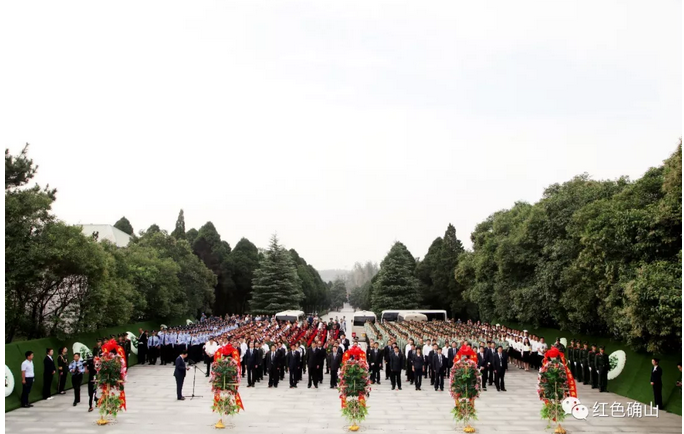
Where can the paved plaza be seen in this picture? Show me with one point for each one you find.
(152, 408)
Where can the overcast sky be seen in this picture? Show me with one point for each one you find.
(343, 126)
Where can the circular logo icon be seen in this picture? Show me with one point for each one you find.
(9, 382)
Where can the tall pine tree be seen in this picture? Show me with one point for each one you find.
(276, 285)
(395, 285)
(124, 225)
(179, 232)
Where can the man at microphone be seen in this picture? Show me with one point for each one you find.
(179, 373)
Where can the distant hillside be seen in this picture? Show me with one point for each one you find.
(331, 275)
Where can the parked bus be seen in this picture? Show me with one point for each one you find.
(359, 322)
(411, 316)
(393, 315)
(291, 315)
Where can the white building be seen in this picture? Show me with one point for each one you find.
(107, 232)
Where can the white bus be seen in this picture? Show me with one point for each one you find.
(393, 315)
(359, 321)
(290, 315)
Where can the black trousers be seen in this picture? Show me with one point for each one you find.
(76, 381)
(208, 361)
(25, 390)
(375, 373)
(179, 387)
(579, 371)
(409, 374)
(333, 378)
(47, 385)
(387, 371)
(418, 379)
(658, 396)
(273, 377)
(62, 381)
(586, 378)
(490, 374)
(142, 353)
(395, 378)
(91, 393)
(439, 380)
(499, 379)
(603, 379)
(252, 375)
(293, 378)
(313, 376)
(152, 356)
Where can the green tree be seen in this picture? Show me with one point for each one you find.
(243, 261)
(196, 280)
(396, 287)
(338, 294)
(179, 232)
(214, 252)
(276, 285)
(124, 225)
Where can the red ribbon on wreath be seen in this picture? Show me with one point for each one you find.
(466, 351)
(554, 353)
(228, 351)
(107, 348)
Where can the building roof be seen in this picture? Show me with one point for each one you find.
(109, 233)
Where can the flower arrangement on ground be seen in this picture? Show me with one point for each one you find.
(354, 386)
(464, 379)
(225, 381)
(111, 376)
(555, 383)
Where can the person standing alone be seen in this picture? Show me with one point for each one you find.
(63, 367)
(48, 373)
(77, 369)
(179, 373)
(27, 377)
(657, 383)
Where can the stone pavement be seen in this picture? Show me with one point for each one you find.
(152, 408)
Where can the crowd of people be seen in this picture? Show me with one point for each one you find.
(274, 349)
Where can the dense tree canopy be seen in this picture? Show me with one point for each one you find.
(599, 257)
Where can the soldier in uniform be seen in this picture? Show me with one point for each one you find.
(602, 368)
(585, 364)
(570, 357)
(579, 369)
(591, 360)
(559, 345)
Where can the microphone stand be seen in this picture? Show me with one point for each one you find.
(194, 378)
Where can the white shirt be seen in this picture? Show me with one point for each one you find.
(426, 350)
(27, 368)
(409, 347)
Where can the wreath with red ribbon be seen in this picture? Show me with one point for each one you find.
(354, 385)
(111, 376)
(225, 381)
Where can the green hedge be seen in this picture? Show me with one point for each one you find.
(14, 356)
(634, 381)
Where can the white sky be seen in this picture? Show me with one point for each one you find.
(343, 126)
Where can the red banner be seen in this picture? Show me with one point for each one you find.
(556, 353)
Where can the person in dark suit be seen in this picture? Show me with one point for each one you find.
(375, 358)
(293, 358)
(451, 354)
(418, 367)
(272, 364)
(313, 364)
(396, 363)
(283, 360)
(386, 355)
(48, 373)
(179, 373)
(482, 366)
(250, 361)
(142, 346)
(439, 366)
(602, 366)
(409, 360)
(491, 351)
(92, 386)
(500, 367)
(63, 368)
(335, 361)
(657, 383)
